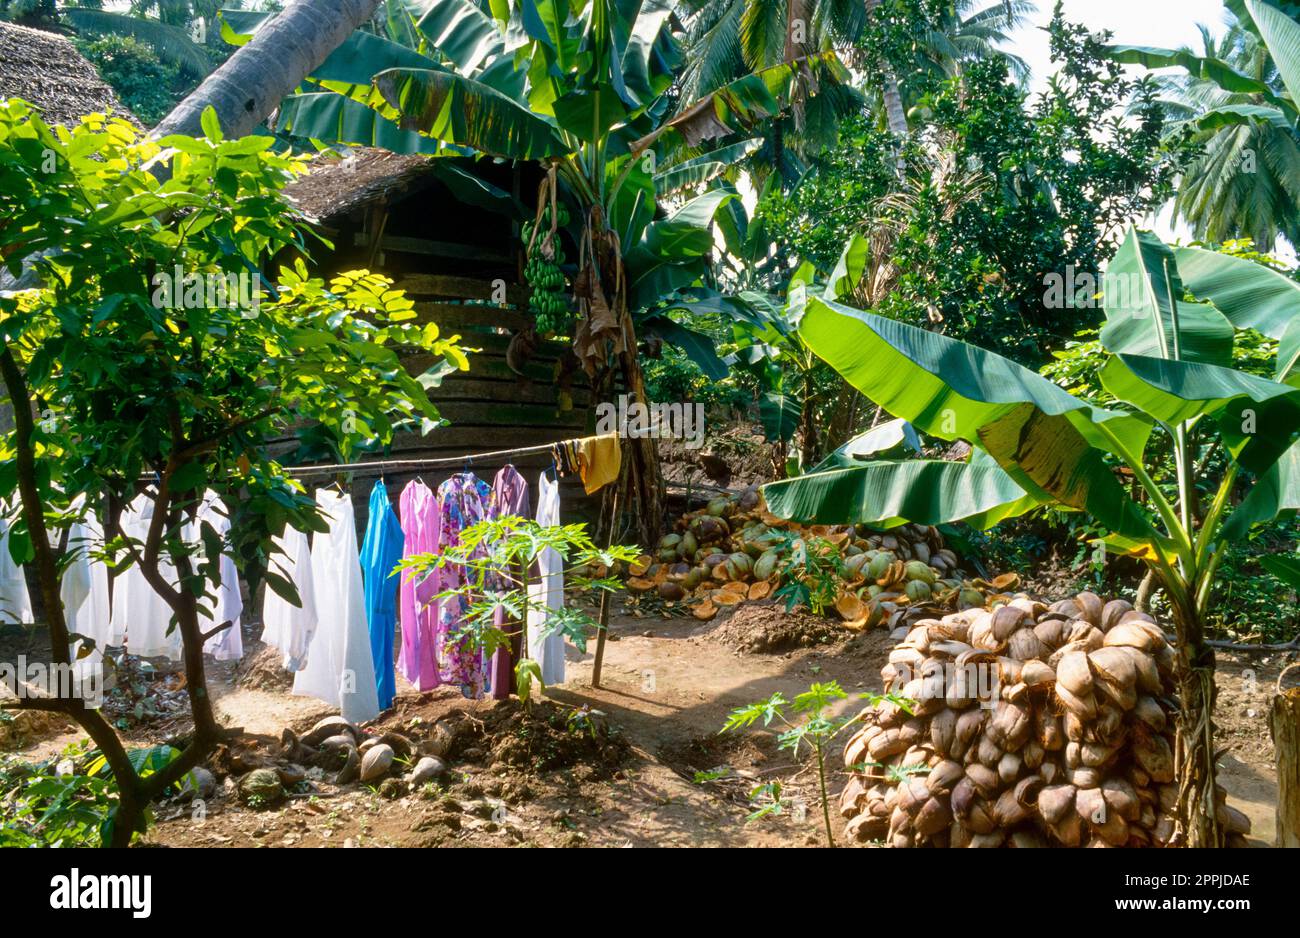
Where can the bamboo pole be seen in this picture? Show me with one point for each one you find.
(606, 598)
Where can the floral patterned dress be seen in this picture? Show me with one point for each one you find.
(463, 501)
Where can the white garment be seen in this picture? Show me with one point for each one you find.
(225, 603)
(15, 601)
(340, 667)
(548, 592)
(139, 612)
(287, 627)
(84, 591)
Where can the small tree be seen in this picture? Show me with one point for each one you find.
(817, 731)
(1171, 316)
(150, 350)
(494, 560)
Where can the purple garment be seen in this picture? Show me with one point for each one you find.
(418, 660)
(462, 501)
(509, 497)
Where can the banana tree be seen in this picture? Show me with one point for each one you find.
(1171, 315)
(584, 88)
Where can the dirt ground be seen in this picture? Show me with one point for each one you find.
(667, 686)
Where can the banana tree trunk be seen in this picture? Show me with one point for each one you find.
(1198, 793)
(895, 115)
(253, 80)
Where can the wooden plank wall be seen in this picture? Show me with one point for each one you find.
(489, 407)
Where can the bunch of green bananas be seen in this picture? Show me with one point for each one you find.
(547, 299)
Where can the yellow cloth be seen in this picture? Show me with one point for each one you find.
(599, 461)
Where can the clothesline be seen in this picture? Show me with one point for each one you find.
(387, 465)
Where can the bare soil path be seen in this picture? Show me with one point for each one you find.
(668, 685)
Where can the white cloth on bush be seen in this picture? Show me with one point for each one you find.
(547, 593)
(286, 627)
(139, 612)
(224, 603)
(15, 600)
(340, 667)
(84, 590)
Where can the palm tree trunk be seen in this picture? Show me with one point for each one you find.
(253, 80)
(895, 116)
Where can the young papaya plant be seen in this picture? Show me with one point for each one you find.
(1171, 317)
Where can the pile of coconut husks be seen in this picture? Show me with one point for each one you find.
(735, 550)
(1030, 725)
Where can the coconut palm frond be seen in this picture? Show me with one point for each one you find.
(172, 43)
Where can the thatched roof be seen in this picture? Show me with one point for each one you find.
(46, 70)
(334, 186)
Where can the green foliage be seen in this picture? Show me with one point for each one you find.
(147, 87)
(1000, 190)
(66, 801)
(155, 349)
(832, 203)
(38, 13)
(489, 559)
(185, 389)
(806, 723)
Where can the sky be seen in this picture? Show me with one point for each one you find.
(1167, 24)
(1164, 23)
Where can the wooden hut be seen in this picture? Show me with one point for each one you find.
(446, 231)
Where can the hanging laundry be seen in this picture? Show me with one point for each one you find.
(547, 592)
(340, 669)
(380, 552)
(84, 591)
(599, 461)
(463, 501)
(564, 455)
(224, 603)
(139, 612)
(418, 660)
(286, 627)
(15, 600)
(509, 497)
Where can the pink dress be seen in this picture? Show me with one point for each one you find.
(463, 500)
(509, 497)
(418, 660)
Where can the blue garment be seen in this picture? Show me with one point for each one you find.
(381, 551)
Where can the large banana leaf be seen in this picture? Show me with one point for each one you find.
(849, 268)
(671, 253)
(459, 29)
(1288, 354)
(1211, 69)
(879, 439)
(1049, 441)
(1281, 34)
(888, 493)
(1239, 115)
(1250, 295)
(1145, 314)
(333, 118)
(1275, 493)
(1249, 409)
(464, 112)
(1286, 567)
(741, 105)
(704, 168)
(945, 387)
(779, 412)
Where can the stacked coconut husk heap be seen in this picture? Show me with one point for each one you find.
(1032, 725)
(735, 550)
